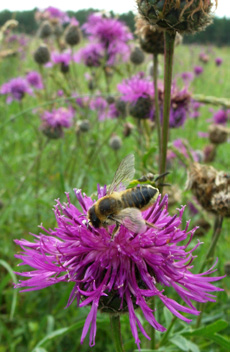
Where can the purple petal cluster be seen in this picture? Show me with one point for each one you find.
(61, 117)
(180, 105)
(61, 58)
(104, 110)
(91, 55)
(120, 273)
(218, 61)
(221, 116)
(53, 14)
(34, 79)
(187, 77)
(112, 34)
(135, 87)
(198, 70)
(16, 89)
(179, 145)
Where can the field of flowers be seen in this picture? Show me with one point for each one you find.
(74, 102)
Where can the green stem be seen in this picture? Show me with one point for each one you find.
(216, 235)
(157, 110)
(168, 67)
(166, 334)
(116, 332)
(153, 331)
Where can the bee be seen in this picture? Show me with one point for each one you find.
(123, 207)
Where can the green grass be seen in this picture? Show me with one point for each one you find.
(34, 172)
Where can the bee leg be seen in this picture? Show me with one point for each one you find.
(116, 229)
(151, 225)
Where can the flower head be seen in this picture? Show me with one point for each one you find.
(198, 70)
(218, 61)
(61, 117)
(16, 89)
(53, 14)
(120, 274)
(221, 116)
(63, 59)
(34, 79)
(91, 55)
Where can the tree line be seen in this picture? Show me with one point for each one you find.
(217, 33)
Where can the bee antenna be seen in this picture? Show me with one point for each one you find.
(162, 175)
(82, 216)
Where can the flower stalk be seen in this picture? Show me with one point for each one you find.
(116, 332)
(168, 67)
(157, 110)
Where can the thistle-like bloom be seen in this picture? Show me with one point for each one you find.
(180, 104)
(53, 14)
(34, 79)
(182, 16)
(91, 55)
(104, 110)
(61, 117)
(180, 147)
(63, 58)
(138, 92)
(187, 77)
(198, 70)
(221, 116)
(112, 34)
(119, 274)
(218, 61)
(16, 89)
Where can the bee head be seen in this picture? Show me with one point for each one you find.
(93, 219)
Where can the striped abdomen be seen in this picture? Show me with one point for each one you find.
(140, 197)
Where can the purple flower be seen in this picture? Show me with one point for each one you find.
(53, 14)
(112, 34)
(91, 55)
(134, 88)
(61, 58)
(195, 109)
(221, 116)
(218, 61)
(61, 117)
(180, 104)
(103, 109)
(34, 79)
(198, 70)
(16, 89)
(118, 274)
(187, 77)
(177, 117)
(179, 145)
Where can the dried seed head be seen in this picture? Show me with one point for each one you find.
(72, 35)
(121, 107)
(211, 188)
(203, 228)
(218, 134)
(128, 128)
(227, 268)
(42, 55)
(82, 126)
(181, 16)
(150, 37)
(52, 132)
(141, 109)
(209, 152)
(115, 142)
(137, 56)
(45, 30)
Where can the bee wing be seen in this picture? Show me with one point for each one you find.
(132, 219)
(124, 174)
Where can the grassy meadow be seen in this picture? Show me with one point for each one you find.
(36, 170)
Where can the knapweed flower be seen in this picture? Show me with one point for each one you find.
(182, 16)
(138, 92)
(53, 14)
(34, 79)
(117, 275)
(194, 109)
(63, 59)
(103, 109)
(187, 77)
(198, 70)
(180, 105)
(91, 55)
(218, 61)
(58, 117)
(16, 89)
(112, 34)
(179, 146)
(221, 116)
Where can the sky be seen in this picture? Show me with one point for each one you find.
(118, 6)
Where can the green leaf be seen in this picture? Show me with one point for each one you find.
(220, 340)
(168, 316)
(209, 329)
(184, 344)
(15, 292)
(39, 349)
